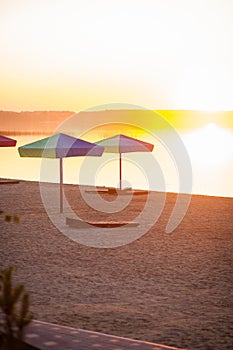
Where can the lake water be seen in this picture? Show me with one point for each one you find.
(211, 161)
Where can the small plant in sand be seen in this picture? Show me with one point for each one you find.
(14, 307)
(9, 217)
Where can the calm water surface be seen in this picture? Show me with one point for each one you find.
(211, 175)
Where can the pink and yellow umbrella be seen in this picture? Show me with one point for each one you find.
(124, 144)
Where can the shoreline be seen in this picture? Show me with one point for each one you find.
(100, 186)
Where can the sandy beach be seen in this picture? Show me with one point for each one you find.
(170, 289)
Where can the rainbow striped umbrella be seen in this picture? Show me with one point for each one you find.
(60, 146)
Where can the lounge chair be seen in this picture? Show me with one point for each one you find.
(117, 191)
(77, 223)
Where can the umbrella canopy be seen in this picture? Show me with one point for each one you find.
(124, 144)
(7, 141)
(60, 146)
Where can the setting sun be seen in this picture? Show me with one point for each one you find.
(210, 145)
(204, 86)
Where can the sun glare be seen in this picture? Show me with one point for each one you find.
(204, 87)
(212, 127)
(210, 145)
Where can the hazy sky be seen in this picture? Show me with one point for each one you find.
(75, 54)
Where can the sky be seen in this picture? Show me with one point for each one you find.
(76, 54)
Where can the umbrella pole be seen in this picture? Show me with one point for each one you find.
(120, 172)
(61, 186)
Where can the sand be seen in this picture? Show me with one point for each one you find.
(171, 289)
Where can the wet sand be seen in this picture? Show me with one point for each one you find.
(170, 289)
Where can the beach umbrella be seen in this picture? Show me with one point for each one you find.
(60, 146)
(7, 141)
(124, 144)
